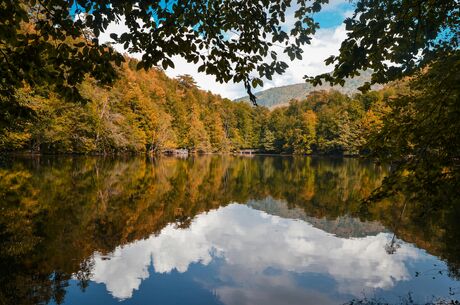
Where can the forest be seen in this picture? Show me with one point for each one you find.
(64, 90)
(69, 86)
(146, 111)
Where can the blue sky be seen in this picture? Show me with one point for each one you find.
(331, 18)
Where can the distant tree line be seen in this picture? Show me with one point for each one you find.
(145, 111)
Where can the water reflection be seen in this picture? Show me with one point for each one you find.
(236, 236)
(227, 230)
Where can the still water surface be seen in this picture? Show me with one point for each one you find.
(215, 230)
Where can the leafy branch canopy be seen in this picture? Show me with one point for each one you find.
(56, 42)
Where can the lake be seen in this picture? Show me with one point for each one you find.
(216, 230)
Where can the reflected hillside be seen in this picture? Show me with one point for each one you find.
(57, 212)
(343, 226)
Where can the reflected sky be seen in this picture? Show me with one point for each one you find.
(240, 255)
(215, 230)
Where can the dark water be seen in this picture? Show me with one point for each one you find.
(216, 230)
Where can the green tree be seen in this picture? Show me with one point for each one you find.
(420, 138)
(186, 81)
(419, 39)
(307, 136)
(268, 141)
(198, 138)
(409, 34)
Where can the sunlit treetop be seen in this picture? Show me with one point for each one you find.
(56, 42)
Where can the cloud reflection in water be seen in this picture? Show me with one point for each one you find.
(261, 256)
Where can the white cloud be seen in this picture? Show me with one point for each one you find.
(238, 235)
(325, 43)
(118, 28)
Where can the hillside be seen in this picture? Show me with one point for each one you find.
(142, 111)
(282, 95)
(146, 111)
(343, 226)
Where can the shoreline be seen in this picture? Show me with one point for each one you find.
(193, 154)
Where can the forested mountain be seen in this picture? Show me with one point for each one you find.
(148, 111)
(275, 97)
(143, 110)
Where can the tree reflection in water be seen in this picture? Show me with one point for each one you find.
(58, 212)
